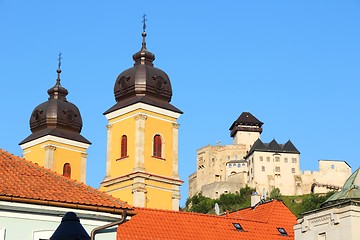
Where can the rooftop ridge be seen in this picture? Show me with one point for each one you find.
(192, 213)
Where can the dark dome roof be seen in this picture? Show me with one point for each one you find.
(143, 79)
(56, 116)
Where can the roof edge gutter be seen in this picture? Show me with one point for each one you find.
(97, 229)
(67, 205)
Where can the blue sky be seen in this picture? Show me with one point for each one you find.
(295, 65)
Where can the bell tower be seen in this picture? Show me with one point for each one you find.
(55, 142)
(142, 137)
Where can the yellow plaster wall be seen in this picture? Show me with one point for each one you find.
(64, 153)
(121, 190)
(123, 125)
(158, 198)
(158, 193)
(154, 165)
(35, 154)
(62, 156)
(154, 124)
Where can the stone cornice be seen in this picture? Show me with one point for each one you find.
(146, 176)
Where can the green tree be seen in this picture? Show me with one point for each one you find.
(199, 203)
(314, 201)
(230, 201)
(275, 194)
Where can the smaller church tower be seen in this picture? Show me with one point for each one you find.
(246, 130)
(55, 141)
(142, 137)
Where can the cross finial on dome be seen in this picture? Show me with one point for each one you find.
(144, 32)
(59, 69)
(144, 22)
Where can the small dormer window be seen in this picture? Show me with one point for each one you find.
(282, 232)
(238, 227)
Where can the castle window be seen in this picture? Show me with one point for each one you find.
(293, 160)
(332, 166)
(268, 159)
(239, 165)
(277, 159)
(123, 146)
(157, 146)
(67, 170)
(277, 169)
(263, 168)
(293, 170)
(285, 160)
(230, 165)
(261, 158)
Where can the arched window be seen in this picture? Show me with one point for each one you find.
(157, 146)
(123, 146)
(67, 170)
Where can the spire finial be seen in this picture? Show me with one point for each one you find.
(59, 69)
(144, 22)
(144, 32)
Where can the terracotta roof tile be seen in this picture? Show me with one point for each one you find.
(274, 212)
(23, 179)
(162, 224)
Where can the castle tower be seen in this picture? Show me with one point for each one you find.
(246, 130)
(55, 141)
(142, 137)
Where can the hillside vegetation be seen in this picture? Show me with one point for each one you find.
(232, 201)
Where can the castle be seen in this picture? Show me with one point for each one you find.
(263, 166)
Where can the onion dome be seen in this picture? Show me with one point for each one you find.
(143, 83)
(56, 116)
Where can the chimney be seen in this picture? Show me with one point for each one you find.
(255, 199)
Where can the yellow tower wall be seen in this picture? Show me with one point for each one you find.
(122, 125)
(140, 178)
(60, 153)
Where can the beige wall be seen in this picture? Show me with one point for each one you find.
(214, 190)
(269, 170)
(331, 173)
(211, 164)
(246, 138)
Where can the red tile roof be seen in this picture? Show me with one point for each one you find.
(24, 181)
(172, 225)
(269, 212)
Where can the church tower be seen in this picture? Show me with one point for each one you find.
(142, 137)
(55, 141)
